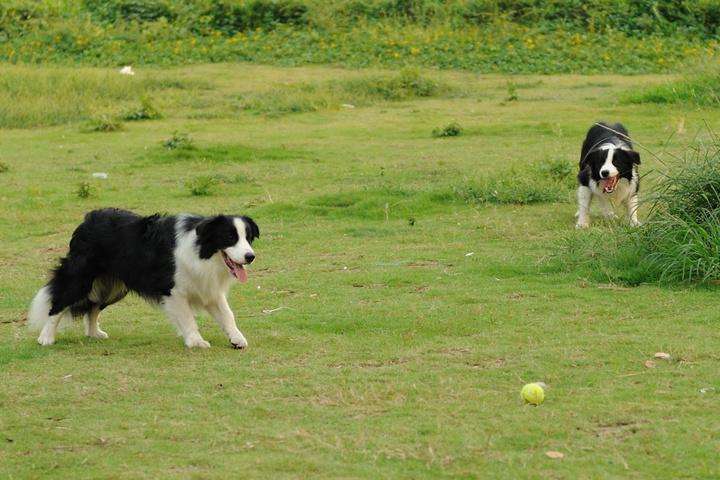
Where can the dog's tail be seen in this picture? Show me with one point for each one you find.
(39, 313)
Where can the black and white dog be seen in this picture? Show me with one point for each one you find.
(183, 263)
(608, 172)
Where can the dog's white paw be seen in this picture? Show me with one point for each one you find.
(238, 341)
(99, 334)
(581, 225)
(45, 339)
(197, 342)
(635, 223)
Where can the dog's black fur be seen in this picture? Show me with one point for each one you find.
(129, 252)
(592, 158)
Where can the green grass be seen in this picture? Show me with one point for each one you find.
(391, 323)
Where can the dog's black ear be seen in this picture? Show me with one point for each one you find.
(211, 235)
(590, 157)
(634, 156)
(253, 229)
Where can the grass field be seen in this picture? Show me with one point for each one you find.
(391, 322)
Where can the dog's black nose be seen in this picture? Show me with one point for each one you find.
(249, 257)
(604, 173)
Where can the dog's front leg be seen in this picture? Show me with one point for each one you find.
(584, 197)
(632, 205)
(181, 315)
(220, 310)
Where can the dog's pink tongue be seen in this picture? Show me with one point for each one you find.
(240, 273)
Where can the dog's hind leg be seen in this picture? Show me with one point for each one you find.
(92, 326)
(70, 284)
(49, 331)
(584, 197)
(39, 317)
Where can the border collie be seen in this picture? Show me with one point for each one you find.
(608, 172)
(182, 263)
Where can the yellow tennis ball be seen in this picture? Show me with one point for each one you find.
(533, 393)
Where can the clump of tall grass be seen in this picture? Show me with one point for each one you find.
(367, 90)
(103, 123)
(35, 97)
(3, 167)
(202, 186)
(680, 241)
(408, 83)
(545, 182)
(700, 88)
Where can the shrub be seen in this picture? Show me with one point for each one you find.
(179, 141)
(233, 17)
(513, 36)
(202, 186)
(450, 130)
(145, 111)
(129, 10)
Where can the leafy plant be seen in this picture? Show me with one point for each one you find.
(145, 111)
(450, 130)
(179, 141)
(84, 190)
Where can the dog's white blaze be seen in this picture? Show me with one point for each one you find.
(238, 251)
(198, 280)
(608, 165)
